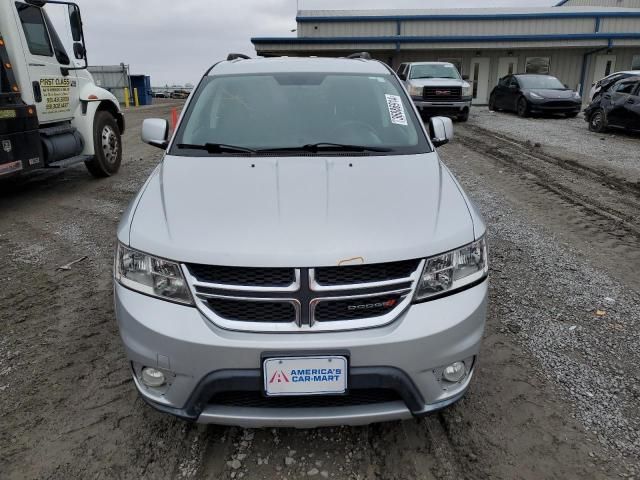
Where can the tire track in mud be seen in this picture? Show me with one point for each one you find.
(599, 209)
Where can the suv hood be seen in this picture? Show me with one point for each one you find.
(438, 82)
(299, 211)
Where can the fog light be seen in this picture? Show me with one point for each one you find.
(454, 372)
(152, 377)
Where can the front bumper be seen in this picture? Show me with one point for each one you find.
(201, 359)
(453, 107)
(549, 107)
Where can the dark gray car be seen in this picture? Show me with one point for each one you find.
(528, 94)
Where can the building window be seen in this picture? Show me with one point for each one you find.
(455, 61)
(635, 63)
(538, 65)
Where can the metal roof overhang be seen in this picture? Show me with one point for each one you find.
(399, 40)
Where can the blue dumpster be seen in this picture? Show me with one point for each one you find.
(143, 84)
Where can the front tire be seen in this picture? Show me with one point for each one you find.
(464, 116)
(107, 145)
(492, 103)
(598, 121)
(522, 109)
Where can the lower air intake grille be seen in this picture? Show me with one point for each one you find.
(254, 399)
(252, 311)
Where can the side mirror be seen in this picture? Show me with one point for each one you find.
(402, 76)
(566, 86)
(79, 51)
(465, 77)
(76, 23)
(441, 130)
(155, 132)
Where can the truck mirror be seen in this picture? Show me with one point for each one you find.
(79, 51)
(465, 77)
(76, 24)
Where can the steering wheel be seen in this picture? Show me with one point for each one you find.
(363, 130)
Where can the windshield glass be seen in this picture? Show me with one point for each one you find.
(292, 110)
(434, 71)
(541, 81)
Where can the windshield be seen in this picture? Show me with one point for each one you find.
(541, 82)
(294, 110)
(434, 71)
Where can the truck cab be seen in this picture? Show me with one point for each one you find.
(52, 114)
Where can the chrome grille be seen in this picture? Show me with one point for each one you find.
(303, 299)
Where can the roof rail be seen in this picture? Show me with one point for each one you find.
(236, 56)
(363, 55)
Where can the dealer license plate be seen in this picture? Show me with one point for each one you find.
(320, 375)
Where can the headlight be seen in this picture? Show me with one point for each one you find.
(151, 275)
(415, 91)
(453, 270)
(536, 96)
(467, 91)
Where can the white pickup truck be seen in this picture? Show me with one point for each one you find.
(437, 88)
(52, 114)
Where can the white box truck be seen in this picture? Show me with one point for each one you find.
(52, 114)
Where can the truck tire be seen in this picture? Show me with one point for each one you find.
(464, 116)
(107, 145)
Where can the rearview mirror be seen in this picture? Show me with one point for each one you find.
(155, 132)
(441, 130)
(465, 77)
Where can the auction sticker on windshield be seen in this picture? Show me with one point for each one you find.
(396, 110)
(305, 375)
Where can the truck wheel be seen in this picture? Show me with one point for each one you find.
(107, 144)
(464, 116)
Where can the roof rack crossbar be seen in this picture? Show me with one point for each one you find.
(363, 55)
(236, 56)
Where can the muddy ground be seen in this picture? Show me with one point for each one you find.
(557, 391)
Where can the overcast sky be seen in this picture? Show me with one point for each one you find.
(174, 41)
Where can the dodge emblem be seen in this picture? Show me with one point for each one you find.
(6, 145)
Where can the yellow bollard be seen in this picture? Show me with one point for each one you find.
(135, 97)
(126, 97)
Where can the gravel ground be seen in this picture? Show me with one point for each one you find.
(556, 391)
(616, 152)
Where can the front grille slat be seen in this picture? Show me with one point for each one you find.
(255, 399)
(355, 308)
(442, 94)
(252, 311)
(243, 276)
(358, 274)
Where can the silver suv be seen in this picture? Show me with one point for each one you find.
(437, 88)
(301, 256)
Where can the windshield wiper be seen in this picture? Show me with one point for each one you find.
(325, 147)
(216, 148)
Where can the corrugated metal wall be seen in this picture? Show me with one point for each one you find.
(603, 3)
(113, 78)
(498, 27)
